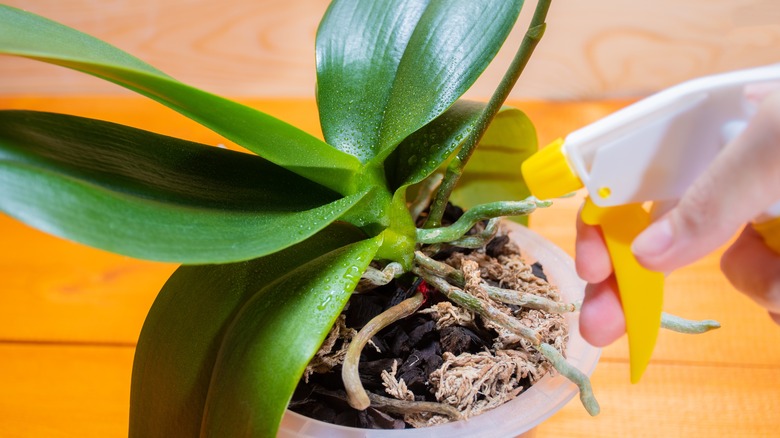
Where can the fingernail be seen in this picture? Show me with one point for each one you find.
(654, 241)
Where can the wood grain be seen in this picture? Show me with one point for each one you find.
(69, 316)
(591, 50)
(675, 400)
(67, 391)
(55, 290)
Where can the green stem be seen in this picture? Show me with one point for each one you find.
(455, 169)
(476, 214)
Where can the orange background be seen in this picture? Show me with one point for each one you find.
(70, 315)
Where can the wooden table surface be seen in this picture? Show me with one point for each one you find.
(70, 316)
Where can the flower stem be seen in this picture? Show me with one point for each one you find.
(455, 169)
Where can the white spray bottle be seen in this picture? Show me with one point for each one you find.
(650, 151)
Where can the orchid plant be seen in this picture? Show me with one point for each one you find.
(273, 244)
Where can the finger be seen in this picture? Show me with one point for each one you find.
(601, 316)
(755, 93)
(742, 181)
(754, 269)
(775, 317)
(590, 254)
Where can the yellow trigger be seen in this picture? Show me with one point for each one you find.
(641, 290)
(770, 232)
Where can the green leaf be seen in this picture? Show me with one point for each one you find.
(386, 68)
(183, 332)
(493, 171)
(273, 338)
(31, 36)
(423, 152)
(149, 196)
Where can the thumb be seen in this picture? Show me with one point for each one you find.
(742, 182)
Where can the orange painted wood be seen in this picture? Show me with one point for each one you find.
(55, 290)
(80, 391)
(679, 399)
(64, 390)
(69, 316)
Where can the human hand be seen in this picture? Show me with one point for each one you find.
(742, 182)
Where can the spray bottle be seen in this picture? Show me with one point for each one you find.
(649, 152)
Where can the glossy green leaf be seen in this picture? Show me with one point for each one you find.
(149, 196)
(31, 36)
(493, 171)
(423, 152)
(183, 332)
(273, 338)
(386, 68)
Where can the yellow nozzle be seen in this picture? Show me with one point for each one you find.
(547, 173)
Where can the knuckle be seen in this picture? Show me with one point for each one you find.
(761, 285)
(697, 209)
(770, 111)
(772, 295)
(769, 295)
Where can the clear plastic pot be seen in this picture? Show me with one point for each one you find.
(517, 417)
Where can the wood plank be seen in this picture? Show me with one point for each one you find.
(266, 48)
(63, 391)
(675, 400)
(54, 289)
